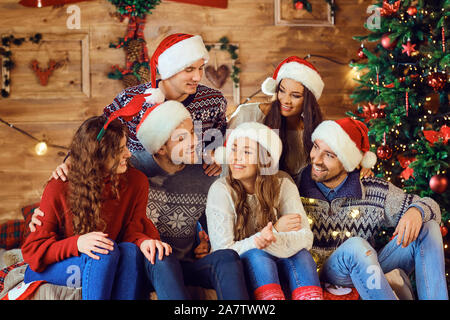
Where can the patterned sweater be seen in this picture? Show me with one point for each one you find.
(206, 105)
(361, 208)
(176, 202)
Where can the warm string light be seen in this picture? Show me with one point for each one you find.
(41, 147)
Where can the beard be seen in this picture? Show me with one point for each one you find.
(327, 178)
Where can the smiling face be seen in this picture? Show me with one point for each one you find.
(182, 145)
(325, 165)
(290, 96)
(122, 159)
(243, 159)
(187, 80)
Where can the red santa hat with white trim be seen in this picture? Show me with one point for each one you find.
(349, 140)
(296, 69)
(255, 131)
(158, 123)
(175, 53)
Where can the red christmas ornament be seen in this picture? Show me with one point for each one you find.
(412, 11)
(384, 152)
(387, 43)
(438, 183)
(299, 5)
(444, 231)
(361, 53)
(437, 80)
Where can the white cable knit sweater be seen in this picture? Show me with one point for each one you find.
(221, 217)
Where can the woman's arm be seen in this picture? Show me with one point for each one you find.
(45, 246)
(139, 227)
(289, 243)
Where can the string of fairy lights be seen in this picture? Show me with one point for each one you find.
(41, 146)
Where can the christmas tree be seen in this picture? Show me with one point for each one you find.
(403, 97)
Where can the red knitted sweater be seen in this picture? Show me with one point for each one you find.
(126, 221)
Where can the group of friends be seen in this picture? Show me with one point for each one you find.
(162, 192)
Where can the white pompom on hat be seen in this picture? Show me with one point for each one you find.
(349, 140)
(296, 69)
(256, 131)
(175, 53)
(158, 123)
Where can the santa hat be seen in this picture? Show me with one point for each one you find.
(158, 123)
(296, 69)
(349, 140)
(130, 110)
(175, 53)
(256, 131)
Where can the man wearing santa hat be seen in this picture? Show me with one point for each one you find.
(180, 60)
(346, 215)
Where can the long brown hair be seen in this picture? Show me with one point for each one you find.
(312, 117)
(267, 189)
(88, 175)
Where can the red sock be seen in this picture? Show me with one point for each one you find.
(271, 291)
(308, 293)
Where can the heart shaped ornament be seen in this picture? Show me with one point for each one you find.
(217, 77)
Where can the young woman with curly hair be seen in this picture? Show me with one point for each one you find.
(96, 221)
(256, 210)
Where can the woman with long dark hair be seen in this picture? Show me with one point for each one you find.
(95, 225)
(295, 86)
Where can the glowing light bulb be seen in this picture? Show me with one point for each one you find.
(354, 213)
(41, 148)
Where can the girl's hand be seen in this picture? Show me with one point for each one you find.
(366, 173)
(288, 222)
(94, 242)
(148, 248)
(266, 237)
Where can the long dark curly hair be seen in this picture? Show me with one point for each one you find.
(88, 174)
(312, 117)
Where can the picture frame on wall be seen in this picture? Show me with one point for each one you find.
(287, 15)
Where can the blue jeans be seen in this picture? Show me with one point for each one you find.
(220, 270)
(116, 275)
(262, 268)
(356, 263)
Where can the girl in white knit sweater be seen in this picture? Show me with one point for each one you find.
(256, 210)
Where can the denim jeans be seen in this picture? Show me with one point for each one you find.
(220, 270)
(116, 275)
(262, 268)
(356, 263)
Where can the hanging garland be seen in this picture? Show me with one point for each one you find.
(135, 8)
(7, 61)
(305, 4)
(137, 68)
(232, 50)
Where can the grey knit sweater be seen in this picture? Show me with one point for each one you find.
(361, 208)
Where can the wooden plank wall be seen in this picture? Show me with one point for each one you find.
(250, 23)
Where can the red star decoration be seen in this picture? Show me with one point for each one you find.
(408, 48)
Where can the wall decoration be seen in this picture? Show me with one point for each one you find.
(311, 13)
(217, 74)
(70, 53)
(44, 73)
(208, 3)
(7, 63)
(46, 3)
